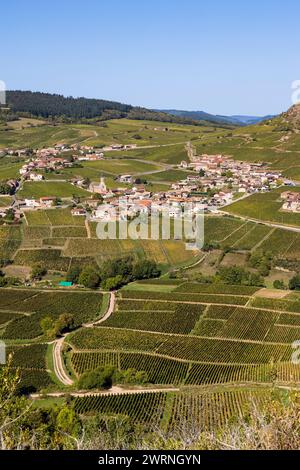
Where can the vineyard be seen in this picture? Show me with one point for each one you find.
(140, 407)
(182, 411)
(182, 297)
(193, 287)
(56, 239)
(211, 410)
(10, 240)
(179, 320)
(160, 370)
(28, 307)
(31, 362)
(192, 343)
(189, 348)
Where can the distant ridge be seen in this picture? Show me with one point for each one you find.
(87, 110)
(239, 120)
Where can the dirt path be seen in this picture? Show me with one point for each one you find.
(115, 390)
(58, 364)
(110, 309)
(88, 228)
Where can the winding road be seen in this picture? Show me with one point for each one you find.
(58, 363)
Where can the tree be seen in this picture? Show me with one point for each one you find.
(64, 323)
(38, 271)
(294, 283)
(53, 328)
(118, 266)
(13, 281)
(239, 276)
(47, 325)
(10, 215)
(145, 269)
(73, 274)
(277, 284)
(67, 421)
(102, 377)
(24, 427)
(89, 277)
(112, 283)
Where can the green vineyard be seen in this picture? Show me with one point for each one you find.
(140, 407)
(182, 411)
(180, 320)
(28, 307)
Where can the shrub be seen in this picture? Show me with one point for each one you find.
(113, 283)
(277, 284)
(145, 269)
(38, 271)
(73, 274)
(294, 283)
(102, 377)
(89, 277)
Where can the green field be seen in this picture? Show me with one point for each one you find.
(58, 189)
(121, 131)
(28, 307)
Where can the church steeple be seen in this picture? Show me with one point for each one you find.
(102, 185)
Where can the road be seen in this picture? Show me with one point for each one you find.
(114, 390)
(58, 364)
(59, 369)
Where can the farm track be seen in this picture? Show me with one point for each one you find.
(112, 391)
(255, 247)
(58, 364)
(88, 229)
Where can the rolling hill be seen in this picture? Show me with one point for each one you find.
(237, 120)
(69, 109)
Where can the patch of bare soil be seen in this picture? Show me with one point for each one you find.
(271, 293)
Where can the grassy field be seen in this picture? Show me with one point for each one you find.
(52, 189)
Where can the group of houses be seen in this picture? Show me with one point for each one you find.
(291, 201)
(212, 181)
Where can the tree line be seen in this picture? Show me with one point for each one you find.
(88, 110)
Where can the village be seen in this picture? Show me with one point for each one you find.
(211, 183)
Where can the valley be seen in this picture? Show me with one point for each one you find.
(184, 336)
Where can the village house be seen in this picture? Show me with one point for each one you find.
(47, 201)
(291, 201)
(31, 203)
(125, 179)
(105, 212)
(36, 177)
(78, 211)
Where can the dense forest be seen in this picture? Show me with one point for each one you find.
(69, 109)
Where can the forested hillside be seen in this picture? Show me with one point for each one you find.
(69, 109)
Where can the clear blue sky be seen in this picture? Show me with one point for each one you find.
(227, 57)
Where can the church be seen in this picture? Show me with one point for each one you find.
(99, 188)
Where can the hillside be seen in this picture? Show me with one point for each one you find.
(55, 106)
(237, 120)
(189, 350)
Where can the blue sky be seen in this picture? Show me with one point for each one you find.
(226, 57)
